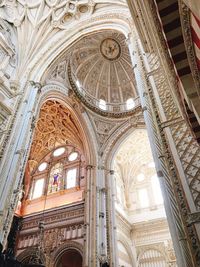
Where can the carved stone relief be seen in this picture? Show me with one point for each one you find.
(59, 226)
(4, 117)
(8, 59)
(187, 147)
(109, 130)
(55, 126)
(59, 12)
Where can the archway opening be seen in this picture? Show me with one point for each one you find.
(140, 215)
(53, 204)
(71, 258)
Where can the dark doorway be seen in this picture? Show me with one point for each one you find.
(71, 258)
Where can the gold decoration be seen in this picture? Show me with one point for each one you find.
(55, 127)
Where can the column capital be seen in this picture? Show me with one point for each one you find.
(89, 167)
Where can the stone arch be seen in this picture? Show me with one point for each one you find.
(59, 93)
(28, 253)
(118, 141)
(154, 249)
(64, 248)
(122, 240)
(57, 48)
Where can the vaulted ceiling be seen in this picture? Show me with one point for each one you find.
(56, 126)
(133, 158)
(102, 65)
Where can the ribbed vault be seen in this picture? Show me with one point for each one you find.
(56, 126)
(133, 158)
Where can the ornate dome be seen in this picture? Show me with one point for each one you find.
(102, 68)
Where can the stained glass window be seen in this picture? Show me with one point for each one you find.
(56, 178)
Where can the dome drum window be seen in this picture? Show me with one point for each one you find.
(102, 104)
(140, 177)
(130, 104)
(79, 86)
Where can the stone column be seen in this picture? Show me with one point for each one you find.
(12, 167)
(101, 216)
(112, 233)
(90, 237)
(179, 235)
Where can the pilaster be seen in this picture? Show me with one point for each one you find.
(12, 168)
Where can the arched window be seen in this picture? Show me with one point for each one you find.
(70, 258)
(37, 189)
(59, 170)
(71, 178)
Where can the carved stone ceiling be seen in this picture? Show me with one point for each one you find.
(56, 126)
(134, 157)
(102, 65)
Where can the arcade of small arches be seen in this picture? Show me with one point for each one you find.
(99, 160)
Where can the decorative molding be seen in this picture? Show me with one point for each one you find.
(58, 12)
(194, 218)
(172, 122)
(28, 253)
(87, 101)
(123, 225)
(185, 15)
